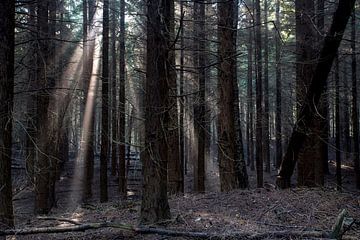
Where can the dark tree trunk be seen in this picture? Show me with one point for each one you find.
(266, 134)
(182, 99)
(104, 154)
(278, 120)
(229, 146)
(42, 177)
(175, 181)
(310, 164)
(155, 206)
(316, 89)
(250, 108)
(7, 27)
(338, 125)
(355, 116)
(259, 97)
(122, 164)
(199, 112)
(114, 135)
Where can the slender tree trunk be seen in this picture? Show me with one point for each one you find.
(259, 97)
(175, 180)
(250, 115)
(266, 136)
(355, 116)
(7, 30)
(324, 108)
(199, 112)
(104, 155)
(42, 176)
(114, 135)
(278, 121)
(155, 206)
(338, 124)
(182, 99)
(316, 89)
(122, 74)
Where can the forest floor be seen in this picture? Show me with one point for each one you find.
(252, 211)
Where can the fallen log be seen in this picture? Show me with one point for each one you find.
(173, 233)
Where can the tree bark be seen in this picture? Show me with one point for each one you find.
(355, 115)
(278, 120)
(122, 75)
(155, 206)
(316, 88)
(104, 154)
(259, 97)
(7, 39)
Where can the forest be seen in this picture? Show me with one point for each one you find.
(179, 119)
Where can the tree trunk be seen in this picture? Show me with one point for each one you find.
(175, 181)
(310, 165)
(316, 89)
(250, 115)
(104, 155)
(122, 74)
(338, 125)
(259, 97)
(114, 134)
(355, 116)
(182, 99)
(278, 120)
(155, 206)
(266, 133)
(229, 155)
(7, 27)
(199, 111)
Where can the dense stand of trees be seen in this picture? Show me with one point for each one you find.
(200, 88)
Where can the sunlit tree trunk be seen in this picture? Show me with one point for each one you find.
(104, 154)
(155, 206)
(7, 26)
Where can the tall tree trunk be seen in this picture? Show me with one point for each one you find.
(259, 97)
(355, 116)
(199, 112)
(113, 89)
(229, 155)
(266, 136)
(175, 184)
(122, 74)
(324, 107)
(316, 89)
(278, 121)
(250, 115)
(155, 206)
(182, 99)
(338, 125)
(42, 204)
(310, 164)
(7, 30)
(104, 154)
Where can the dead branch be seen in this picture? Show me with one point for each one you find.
(172, 233)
